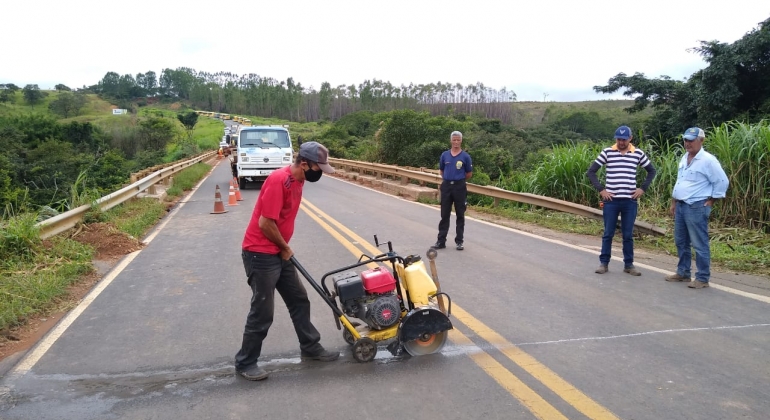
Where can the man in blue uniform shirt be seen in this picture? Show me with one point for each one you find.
(700, 181)
(456, 167)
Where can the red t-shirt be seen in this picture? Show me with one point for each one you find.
(279, 200)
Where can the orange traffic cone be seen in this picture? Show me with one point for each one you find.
(219, 207)
(237, 190)
(231, 199)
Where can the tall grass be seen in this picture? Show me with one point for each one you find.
(744, 152)
(34, 273)
(742, 149)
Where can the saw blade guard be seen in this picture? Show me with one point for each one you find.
(424, 331)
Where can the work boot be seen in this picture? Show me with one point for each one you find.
(602, 269)
(460, 246)
(632, 271)
(439, 245)
(254, 373)
(677, 277)
(323, 355)
(697, 284)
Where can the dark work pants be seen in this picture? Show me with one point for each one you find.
(452, 193)
(268, 273)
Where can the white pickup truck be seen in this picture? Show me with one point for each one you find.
(260, 150)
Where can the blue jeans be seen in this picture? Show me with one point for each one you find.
(691, 229)
(626, 208)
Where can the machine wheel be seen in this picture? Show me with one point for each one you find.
(364, 350)
(241, 183)
(348, 337)
(426, 344)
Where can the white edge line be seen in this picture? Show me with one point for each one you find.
(179, 205)
(761, 298)
(26, 364)
(42, 347)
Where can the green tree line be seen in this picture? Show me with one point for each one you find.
(553, 163)
(43, 162)
(253, 94)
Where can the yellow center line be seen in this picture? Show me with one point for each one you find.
(539, 407)
(518, 389)
(349, 246)
(547, 377)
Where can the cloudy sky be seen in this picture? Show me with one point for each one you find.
(552, 49)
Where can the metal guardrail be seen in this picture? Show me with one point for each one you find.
(69, 219)
(431, 176)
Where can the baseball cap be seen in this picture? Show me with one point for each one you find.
(623, 133)
(693, 133)
(317, 153)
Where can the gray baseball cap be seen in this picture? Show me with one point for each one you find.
(317, 153)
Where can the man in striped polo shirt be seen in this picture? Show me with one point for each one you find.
(620, 194)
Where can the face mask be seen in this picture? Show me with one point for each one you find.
(313, 176)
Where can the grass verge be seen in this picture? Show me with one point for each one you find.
(35, 274)
(136, 217)
(186, 179)
(29, 286)
(733, 249)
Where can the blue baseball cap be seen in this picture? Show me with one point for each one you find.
(693, 133)
(623, 133)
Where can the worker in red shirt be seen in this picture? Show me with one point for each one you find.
(266, 254)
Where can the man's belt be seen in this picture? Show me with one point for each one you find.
(460, 181)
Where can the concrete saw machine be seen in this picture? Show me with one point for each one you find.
(403, 303)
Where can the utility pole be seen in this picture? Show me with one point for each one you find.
(545, 95)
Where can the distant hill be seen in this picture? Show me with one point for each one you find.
(94, 108)
(532, 114)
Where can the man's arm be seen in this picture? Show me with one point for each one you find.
(651, 172)
(719, 181)
(270, 229)
(647, 181)
(468, 165)
(591, 174)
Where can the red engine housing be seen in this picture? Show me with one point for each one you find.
(378, 280)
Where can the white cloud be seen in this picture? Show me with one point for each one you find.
(561, 47)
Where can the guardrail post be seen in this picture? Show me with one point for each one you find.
(404, 180)
(151, 190)
(496, 202)
(133, 179)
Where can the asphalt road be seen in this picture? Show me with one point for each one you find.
(537, 333)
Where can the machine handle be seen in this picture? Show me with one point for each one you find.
(432, 254)
(317, 288)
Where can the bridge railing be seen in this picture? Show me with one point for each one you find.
(69, 219)
(423, 175)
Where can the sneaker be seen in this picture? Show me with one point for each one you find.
(324, 355)
(254, 373)
(632, 271)
(677, 277)
(460, 246)
(439, 245)
(697, 284)
(602, 269)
